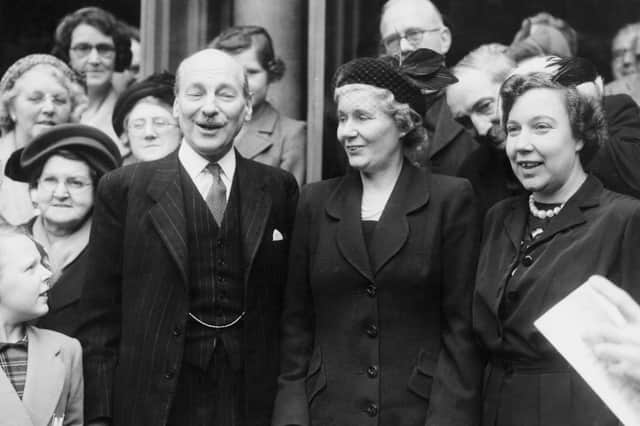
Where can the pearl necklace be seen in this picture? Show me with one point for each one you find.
(543, 214)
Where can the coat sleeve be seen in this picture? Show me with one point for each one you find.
(455, 395)
(616, 163)
(74, 413)
(100, 300)
(291, 407)
(294, 151)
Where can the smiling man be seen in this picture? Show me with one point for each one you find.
(187, 260)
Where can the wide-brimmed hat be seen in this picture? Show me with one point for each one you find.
(159, 86)
(89, 143)
(406, 77)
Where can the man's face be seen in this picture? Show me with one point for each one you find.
(210, 105)
(411, 24)
(625, 55)
(473, 102)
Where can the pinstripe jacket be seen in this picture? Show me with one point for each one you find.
(135, 303)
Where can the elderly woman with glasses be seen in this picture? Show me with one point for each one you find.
(143, 119)
(62, 167)
(95, 45)
(540, 246)
(376, 326)
(37, 93)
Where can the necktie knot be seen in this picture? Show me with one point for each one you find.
(217, 196)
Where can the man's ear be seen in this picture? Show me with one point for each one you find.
(445, 40)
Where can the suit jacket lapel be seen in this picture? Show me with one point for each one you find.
(344, 205)
(45, 378)
(410, 193)
(254, 210)
(515, 221)
(167, 215)
(13, 411)
(257, 134)
(446, 128)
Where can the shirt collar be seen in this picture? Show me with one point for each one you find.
(194, 163)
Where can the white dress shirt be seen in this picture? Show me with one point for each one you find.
(196, 167)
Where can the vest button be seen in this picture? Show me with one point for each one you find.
(371, 290)
(372, 410)
(372, 330)
(219, 244)
(527, 260)
(372, 371)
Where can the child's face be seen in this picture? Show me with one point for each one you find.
(24, 280)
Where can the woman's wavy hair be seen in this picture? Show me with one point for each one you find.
(237, 39)
(586, 117)
(75, 89)
(407, 120)
(100, 19)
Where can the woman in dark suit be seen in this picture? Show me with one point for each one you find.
(376, 324)
(539, 247)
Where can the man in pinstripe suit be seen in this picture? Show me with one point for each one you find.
(187, 260)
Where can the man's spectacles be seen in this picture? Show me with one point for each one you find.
(73, 185)
(104, 50)
(159, 124)
(413, 36)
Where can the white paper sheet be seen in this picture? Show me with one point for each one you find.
(565, 326)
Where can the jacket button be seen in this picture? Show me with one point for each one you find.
(219, 244)
(219, 279)
(372, 330)
(371, 290)
(372, 410)
(372, 371)
(169, 374)
(527, 260)
(177, 331)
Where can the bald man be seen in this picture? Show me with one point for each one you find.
(406, 25)
(187, 261)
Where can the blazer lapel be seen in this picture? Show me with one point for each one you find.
(410, 193)
(256, 137)
(45, 378)
(12, 410)
(344, 205)
(515, 221)
(167, 215)
(446, 128)
(254, 210)
(572, 214)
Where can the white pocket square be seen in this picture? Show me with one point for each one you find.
(277, 235)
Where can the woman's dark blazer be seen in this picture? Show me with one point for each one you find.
(384, 340)
(527, 383)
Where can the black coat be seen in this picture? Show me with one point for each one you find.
(383, 340)
(136, 307)
(528, 383)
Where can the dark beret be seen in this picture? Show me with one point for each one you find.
(158, 85)
(89, 143)
(405, 77)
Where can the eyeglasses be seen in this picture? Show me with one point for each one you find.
(159, 124)
(413, 36)
(72, 184)
(105, 50)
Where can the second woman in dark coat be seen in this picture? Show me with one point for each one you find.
(376, 323)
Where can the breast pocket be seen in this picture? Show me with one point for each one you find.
(421, 377)
(316, 379)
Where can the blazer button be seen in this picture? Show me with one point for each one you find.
(371, 290)
(527, 260)
(219, 244)
(372, 371)
(372, 410)
(177, 331)
(372, 330)
(169, 374)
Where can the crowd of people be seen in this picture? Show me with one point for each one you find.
(164, 262)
